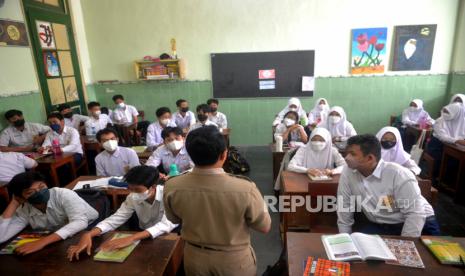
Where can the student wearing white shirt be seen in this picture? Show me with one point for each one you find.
(146, 200)
(71, 119)
(295, 105)
(203, 113)
(290, 129)
(389, 194)
(392, 149)
(183, 118)
(171, 152)
(123, 114)
(97, 121)
(21, 136)
(217, 117)
(318, 157)
(415, 114)
(114, 160)
(56, 209)
(13, 163)
(339, 127)
(154, 130)
(319, 114)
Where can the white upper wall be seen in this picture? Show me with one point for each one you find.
(459, 52)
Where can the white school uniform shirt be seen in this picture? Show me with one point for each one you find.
(117, 163)
(13, 163)
(98, 124)
(184, 122)
(397, 154)
(165, 157)
(151, 216)
(318, 114)
(219, 119)
(452, 130)
(199, 124)
(413, 117)
(389, 182)
(12, 137)
(70, 141)
(66, 214)
(295, 134)
(307, 158)
(76, 121)
(343, 129)
(124, 115)
(154, 130)
(300, 111)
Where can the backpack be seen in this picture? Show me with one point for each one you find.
(97, 200)
(236, 163)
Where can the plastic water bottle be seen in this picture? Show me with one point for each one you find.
(173, 170)
(423, 122)
(279, 143)
(56, 149)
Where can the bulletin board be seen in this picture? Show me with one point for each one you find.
(263, 74)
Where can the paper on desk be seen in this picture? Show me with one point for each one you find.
(97, 183)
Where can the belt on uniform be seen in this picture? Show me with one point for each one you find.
(204, 247)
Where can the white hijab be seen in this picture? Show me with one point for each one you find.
(323, 113)
(461, 96)
(396, 154)
(455, 127)
(319, 159)
(416, 115)
(296, 102)
(338, 129)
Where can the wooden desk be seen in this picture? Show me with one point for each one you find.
(302, 245)
(89, 144)
(51, 163)
(412, 133)
(456, 152)
(160, 256)
(115, 194)
(277, 159)
(144, 156)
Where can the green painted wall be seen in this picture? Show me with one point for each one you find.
(30, 104)
(369, 101)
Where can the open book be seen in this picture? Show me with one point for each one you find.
(318, 177)
(357, 246)
(21, 240)
(118, 255)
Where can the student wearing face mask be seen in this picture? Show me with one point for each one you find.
(458, 98)
(123, 114)
(216, 116)
(33, 204)
(318, 157)
(290, 129)
(71, 119)
(145, 200)
(319, 113)
(21, 136)
(114, 160)
(292, 105)
(97, 121)
(392, 149)
(203, 113)
(338, 126)
(171, 152)
(154, 139)
(183, 118)
(389, 193)
(415, 114)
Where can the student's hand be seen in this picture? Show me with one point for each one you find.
(17, 201)
(38, 139)
(460, 142)
(315, 172)
(111, 245)
(29, 248)
(84, 243)
(328, 172)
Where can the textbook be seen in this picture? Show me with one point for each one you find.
(118, 255)
(20, 240)
(323, 267)
(318, 178)
(139, 149)
(356, 247)
(445, 251)
(405, 252)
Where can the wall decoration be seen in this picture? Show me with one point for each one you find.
(45, 32)
(55, 89)
(13, 33)
(71, 91)
(368, 50)
(413, 47)
(51, 64)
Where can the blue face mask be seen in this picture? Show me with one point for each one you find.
(55, 127)
(40, 197)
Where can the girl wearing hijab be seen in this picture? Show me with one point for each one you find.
(318, 157)
(338, 126)
(458, 98)
(292, 105)
(415, 113)
(392, 149)
(290, 129)
(319, 113)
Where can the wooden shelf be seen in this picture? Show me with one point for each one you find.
(166, 69)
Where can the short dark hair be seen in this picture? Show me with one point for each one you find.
(23, 181)
(212, 100)
(205, 145)
(117, 97)
(105, 131)
(62, 107)
(368, 143)
(92, 104)
(294, 113)
(203, 107)
(55, 115)
(168, 130)
(162, 110)
(105, 110)
(13, 112)
(142, 175)
(180, 101)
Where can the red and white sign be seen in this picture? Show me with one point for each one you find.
(266, 74)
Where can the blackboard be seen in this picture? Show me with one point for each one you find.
(236, 75)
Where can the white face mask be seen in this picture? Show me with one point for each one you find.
(321, 106)
(165, 122)
(334, 119)
(175, 145)
(289, 122)
(446, 116)
(121, 105)
(317, 145)
(97, 113)
(110, 145)
(293, 109)
(412, 108)
(138, 197)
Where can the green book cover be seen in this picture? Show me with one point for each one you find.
(118, 255)
(445, 251)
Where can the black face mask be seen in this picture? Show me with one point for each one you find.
(202, 117)
(213, 109)
(184, 109)
(19, 123)
(388, 144)
(68, 115)
(40, 197)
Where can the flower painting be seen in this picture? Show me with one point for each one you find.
(368, 51)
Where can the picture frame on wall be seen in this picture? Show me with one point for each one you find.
(51, 64)
(368, 50)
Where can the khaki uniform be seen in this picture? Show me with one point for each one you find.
(217, 211)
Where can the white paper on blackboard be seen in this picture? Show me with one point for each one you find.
(268, 84)
(308, 83)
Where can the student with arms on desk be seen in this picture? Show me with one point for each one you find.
(97, 121)
(145, 200)
(164, 119)
(183, 118)
(389, 194)
(56, 209)
(216, 116)
(123, 114)
(71, 119)
(203, 113)
(290, 129)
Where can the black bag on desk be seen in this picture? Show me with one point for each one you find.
(97, 200)
(236, 163)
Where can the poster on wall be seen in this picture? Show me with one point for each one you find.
(413, 47)
(368, 51)
(46, 39)
(13, 33)
(51, 64)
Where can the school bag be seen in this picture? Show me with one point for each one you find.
(236, 163)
